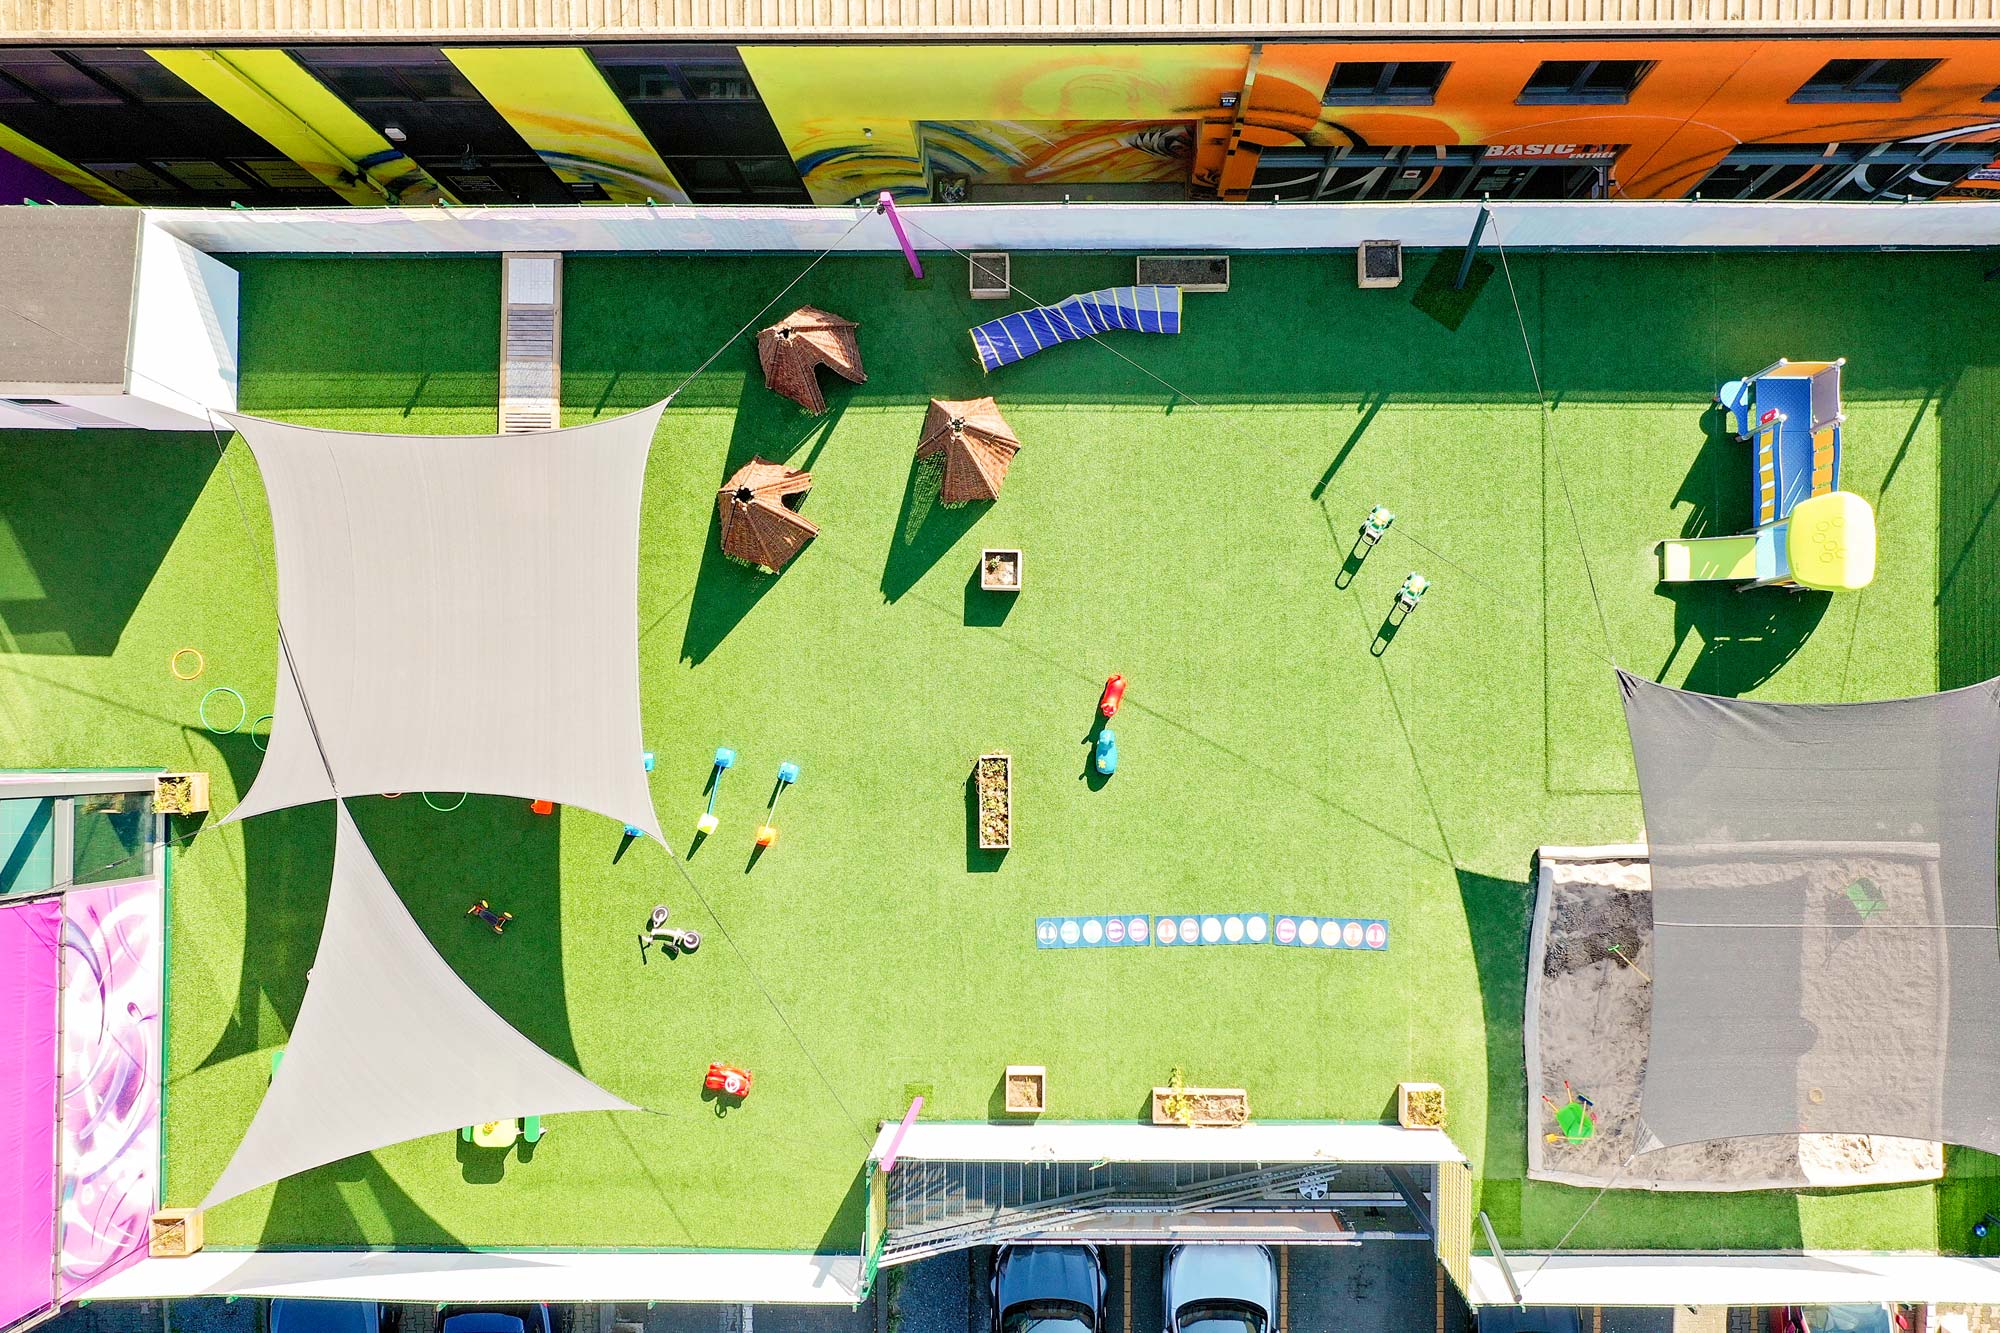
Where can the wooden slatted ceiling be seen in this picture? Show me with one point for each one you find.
(271, 20)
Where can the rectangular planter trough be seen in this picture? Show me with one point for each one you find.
(993, 786)
(1211, 1106)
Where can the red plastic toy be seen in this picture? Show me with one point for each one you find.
(1114, 694)
(727, 1080)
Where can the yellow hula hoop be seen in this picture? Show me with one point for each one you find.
(174, 663)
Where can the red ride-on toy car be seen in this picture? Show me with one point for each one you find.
(727, 1080)
(497, 920)
(1114, 694)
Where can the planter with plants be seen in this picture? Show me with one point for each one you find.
(1178, 1104)
(1027, 1089)
(1000, 570)
(993, 783)
(1420, 1105)
(181, 793)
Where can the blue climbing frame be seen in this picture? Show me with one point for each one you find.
(1015, 337)
(1791, 412)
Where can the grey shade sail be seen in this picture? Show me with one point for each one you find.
(389, 1045)
(71, 276)
(1825, 952)
(461, 613)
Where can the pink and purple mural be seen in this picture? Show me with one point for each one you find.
(111, 1073)
(28, 935)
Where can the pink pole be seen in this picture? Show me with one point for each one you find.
(909, 1116)
(885, 204)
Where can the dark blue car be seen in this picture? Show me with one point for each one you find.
(495, 1319)
(295, 1316)
(1048, 1289)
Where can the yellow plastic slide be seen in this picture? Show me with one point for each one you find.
(1701, 559)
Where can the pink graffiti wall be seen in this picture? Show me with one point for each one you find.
(28, 935)
(111, 1070)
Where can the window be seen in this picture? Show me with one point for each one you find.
(49, 75)
(1385, 83)
(716, 83)
(137, 75)
(280, 173)
(1993, 96)
(130, 177)
(1863, 80)
(113, 837)
(27, 845)
(198, 174)
(1583, 82)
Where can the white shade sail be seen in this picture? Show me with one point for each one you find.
(390, 1044)
(458, 613)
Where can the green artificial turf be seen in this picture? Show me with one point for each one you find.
(1191, 537)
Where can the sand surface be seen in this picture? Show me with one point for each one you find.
(1589, 1013)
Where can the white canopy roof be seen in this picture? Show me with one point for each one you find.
(457, 613)
(1814, 1277)
(390, 1044)
(497, 1277)
(1091, 1141)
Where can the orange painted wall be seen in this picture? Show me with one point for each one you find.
(1702, 98)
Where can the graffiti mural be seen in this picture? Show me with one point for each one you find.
(861, 119)
(112, 956)
(1058, 152)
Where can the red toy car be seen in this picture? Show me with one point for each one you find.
(727, 1080)
(1114, 694)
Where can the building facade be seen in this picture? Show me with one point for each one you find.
(1406, 112)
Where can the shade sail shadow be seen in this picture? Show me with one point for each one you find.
(84, 528)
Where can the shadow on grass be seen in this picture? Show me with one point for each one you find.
(925, 530)
(316, 1209)
(1436, 296)
(985, 609)
(1745, 634)
(1497, 913)
(769, 427)
(84, 529)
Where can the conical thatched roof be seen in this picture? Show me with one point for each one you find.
(804, 340)
(977, 446)
(756, 524)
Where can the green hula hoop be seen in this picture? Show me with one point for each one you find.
(242, 716)
(253, 733)
(444, 809)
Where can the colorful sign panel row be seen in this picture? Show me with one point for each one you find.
(1139, 930)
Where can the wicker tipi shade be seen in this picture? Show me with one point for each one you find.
(977, 446)
(792, 349)
(756, 525)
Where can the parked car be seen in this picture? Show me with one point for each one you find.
(1216, 1288)
(1048, 1289)
(495, 1319)
(1837, 1319)
(297, 1316)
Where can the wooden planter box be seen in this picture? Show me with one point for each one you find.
(1212, 1106)
(1000, 570)
(993, 788)
(1420, 1105)
(181, 793)
(174, 1233)
(1027, 1089)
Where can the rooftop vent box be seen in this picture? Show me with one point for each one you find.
(1379, 264)
(1190, 273)
(991, 275)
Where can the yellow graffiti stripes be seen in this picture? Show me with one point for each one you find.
(295, 113)
(37, 156)
(556, 99)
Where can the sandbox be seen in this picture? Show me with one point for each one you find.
(1588, 1020)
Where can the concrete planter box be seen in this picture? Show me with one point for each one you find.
(181, 793)
(1212, 1107)
(1420, 1105)
(1027, 1089)
(1000, 570)
(993, 786)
